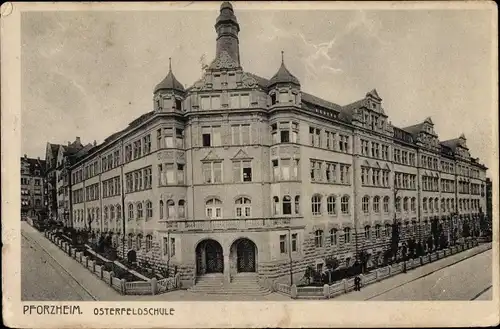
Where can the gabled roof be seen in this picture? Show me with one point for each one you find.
(34, 164)
(415, 129)
(373, 93)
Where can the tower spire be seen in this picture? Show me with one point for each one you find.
(170, 63)
(282, 57)
(227, 29)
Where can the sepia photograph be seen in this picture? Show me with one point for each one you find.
(233, 152)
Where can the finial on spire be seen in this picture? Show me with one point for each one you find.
(170, 63)
(282, 57)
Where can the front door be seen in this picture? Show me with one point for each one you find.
(246, 256)
(214, 258)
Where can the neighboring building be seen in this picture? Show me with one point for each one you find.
(33, 189)
(58, 161)
(239, 173)
(489, 202)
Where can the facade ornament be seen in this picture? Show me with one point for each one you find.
(223, 61)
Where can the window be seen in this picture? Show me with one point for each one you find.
(377, 231)
(344, 204)
(112, 212)
(212, 172)
(242, 171)
(146, 145)
(161, 209)
(318, 238)
(181, 209)
(119, 213)
(276, 170)
(170, 209)
(149, 242)
(294, 241)
(210, 103)
(287, 205)
(347, 235)
(139, 241)
(149, 209)
(243, 207)
(405, 204)
(367, 232)
(130, 211)
(139, 210)
(398, 204)
(276, 205)
(211, 136)
(130, 240)
(283, 244)
(413, 204)
(213, 208)
(330, 202)
(179, 138)
(241, 134)
(172, 247)
(424, 204)
(297, 205)
(239, 101)
(376, 204)
(333, 237)
(316, 204)
(180, 174)
(365, 203)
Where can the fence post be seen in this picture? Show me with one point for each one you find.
(389, 272)
(178, 280)
(153, 286)
(293, 291)
(111, 278)
(376, 275)
(326, 291)
(124, 290)
(345, 285)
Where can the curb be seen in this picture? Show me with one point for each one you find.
(55, 260)
(433, 271)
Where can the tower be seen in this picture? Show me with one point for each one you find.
(227, 29)
(169, 93)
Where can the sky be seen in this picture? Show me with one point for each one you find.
(89, 73)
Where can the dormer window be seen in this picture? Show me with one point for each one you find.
(374, 106)
(178, 105)
(284, 98)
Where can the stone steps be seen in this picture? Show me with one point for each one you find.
(241, 284)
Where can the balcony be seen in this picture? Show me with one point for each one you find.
(234, 224)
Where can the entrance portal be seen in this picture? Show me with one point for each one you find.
(209, 257)
(245, 255)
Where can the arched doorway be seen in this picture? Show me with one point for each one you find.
(209, 257)
(246, 255)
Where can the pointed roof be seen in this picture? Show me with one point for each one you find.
(283, 75)
(170, 81)
(373, 93)
(429, 120)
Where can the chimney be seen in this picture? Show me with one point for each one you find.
(95, 142)
(77, 140)
(25, 156)
(69, 143)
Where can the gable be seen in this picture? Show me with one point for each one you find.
(211, 156)
(241, 155)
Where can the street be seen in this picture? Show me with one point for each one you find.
(43, 279)
(470, 279)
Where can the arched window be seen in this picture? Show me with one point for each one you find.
(376, 204)
(297, 205)
(413, 204)
(149, 209)
(386, 204)
(213, 208)
(97, 215)
(170, 209)
(149, 242)
(243, 207)
(118, 212)
(276, 205)
(398, 204)
(112, 213)
(105, 213)
(130, 211)
(414, 227)
(367, 232)
(347, 235)
(365, 202)
(333, 236)
(344, 204)
(161, 205)
(316, 204)
(130, 240)
(405, 204)
(139, 210)
(318, 238)
(139, 241)
(287, 205)
(436, 205)
(377, 231)
(182, 209)
(330, 205)
(443, 205)
(387, 230)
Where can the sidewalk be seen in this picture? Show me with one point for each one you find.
(383, 286)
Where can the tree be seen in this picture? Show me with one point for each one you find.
(395, 240)
(331, 264)
(363, 257)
